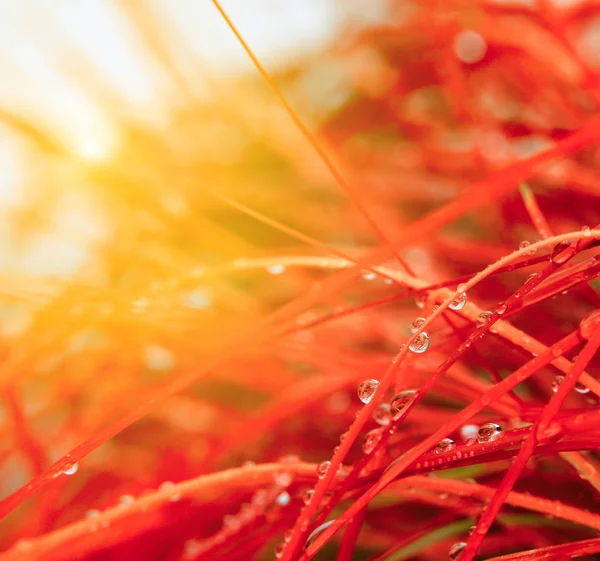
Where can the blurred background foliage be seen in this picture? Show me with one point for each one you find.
(121, 125)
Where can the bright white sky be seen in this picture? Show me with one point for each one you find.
(36, 37)
(40, 40)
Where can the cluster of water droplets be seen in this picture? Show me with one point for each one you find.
(417, 324)
(579, 387)
(384, 414)
(422, 341)
(96, 520)
(276, 495)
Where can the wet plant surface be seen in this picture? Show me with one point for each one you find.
(364, 328)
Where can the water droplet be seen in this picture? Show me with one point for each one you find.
(126, 499)
(343, 435)
(170, 486)
(489, 432)
(556, 383)
(72, 469)
(276, 269)
(589, 324)
(444, 445)
(369, 275)
(367, 389)
(382, 414)
(420, 300)
(580, 388)
(587, 232)
(283, 478)
(307, 496)
(420, 344)
(524, 244)
(558, 255)
(287, 535)
(322, 469)
(456, 551)
(483, 318)
(92, 513)
(469, 46)
(459, 302)
(279, 549)
(468, 431)
(283, 499)
(416, 325)
(315, 533)
(462, 287)
(501, 308)
(470, 530)
(401, 402)
(372, 438)
(248, 463)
